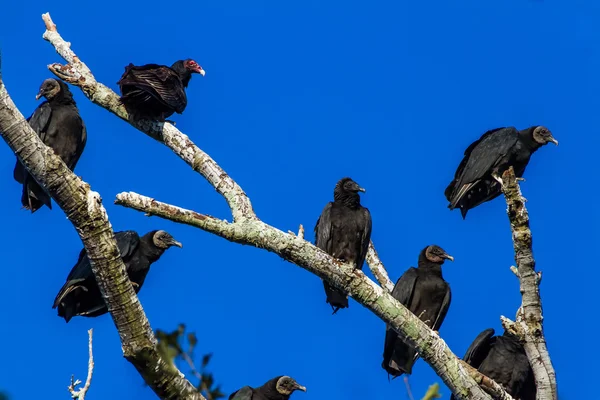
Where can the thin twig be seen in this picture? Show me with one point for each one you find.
(378, 269)
(80, 394)
(408, 389)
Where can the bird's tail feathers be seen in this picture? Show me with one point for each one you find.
(335, 297)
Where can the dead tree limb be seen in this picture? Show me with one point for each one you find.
(246, 228)
(83, 207)
(80, 394)
(378, 270)
(528, 325)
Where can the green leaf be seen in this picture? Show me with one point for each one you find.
(206, 359)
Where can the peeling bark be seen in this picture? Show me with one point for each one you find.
(83, 207)
(528, 325)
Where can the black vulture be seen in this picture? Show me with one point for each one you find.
(59, 126)
(478, 177)
(343, 231)
(279, 388)
(503, 359)
(155, 91)
(80, 295)
(426, 294)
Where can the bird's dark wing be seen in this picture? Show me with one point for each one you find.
(364, 239)
(484, 155)
(323, 236)
(127, 242)
(479, 349)
(38, 122)
(443, 309)
(404, 287)
(160, 81)
(480, 158)
(244, 393)
(80, 146)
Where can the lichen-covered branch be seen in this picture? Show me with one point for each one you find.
(529, 318)
(78, 74)
(378, 269)
(256, 233)
(83, 207)
(248, 229)
(80, 394)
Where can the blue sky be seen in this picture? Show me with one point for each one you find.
(296, 96)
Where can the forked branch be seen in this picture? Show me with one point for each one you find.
(246, 228)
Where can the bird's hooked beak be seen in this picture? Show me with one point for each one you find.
(448, 257)
(362, 189)
(40, 94)
(199, 70)
(173, 242)
(553, 140)
(297, 386)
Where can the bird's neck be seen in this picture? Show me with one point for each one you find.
(151, 252)
(351, 200)
(431, 267)
(527, 139)
(61, 99)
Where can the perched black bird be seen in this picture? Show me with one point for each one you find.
(343, 231)
(80, 295)
(279, 388)
(426, 294)
(503, 359)
(59, 126)
(479, 176)
(155, 91)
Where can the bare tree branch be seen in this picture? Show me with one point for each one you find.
(432, 348)
(83, 207)
(248, 229)
(378, 269)
(529, 317)
(78, 74)
(80, 394)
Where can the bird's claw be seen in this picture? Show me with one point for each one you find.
(498, 179)
(520, 179)
(135, 285)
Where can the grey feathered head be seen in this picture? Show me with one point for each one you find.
(542, 135)
(436, 254)
(163, 240)
(286, 385)
(49, 89)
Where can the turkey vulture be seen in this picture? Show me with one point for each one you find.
(155, 91)
(80, 295)
(343, 231)
(59, 126)
(426, 294)
(479, 175)
(503, 359)
(279, 388)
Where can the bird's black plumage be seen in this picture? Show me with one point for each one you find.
(155, 91)
(478, 176)
(278, 388)
(80, 294)
(343, 231)
(58, 124)
(503, 359)
(426, 294)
